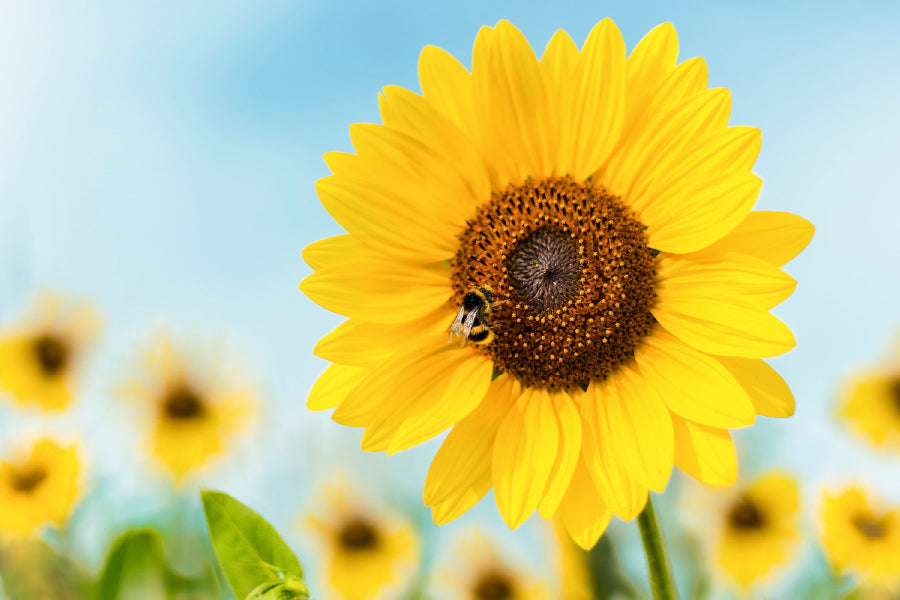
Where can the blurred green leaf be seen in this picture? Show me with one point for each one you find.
(29, 568)
(249, 549)
(607, 578)
(292, 589)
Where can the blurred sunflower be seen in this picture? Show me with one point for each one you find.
(193, 400)
(584, 222)
(370, 554)
(870, 403)
(861, 537)
(479, 572)
(758, 528)
(38, 487)
(573, 567)
(40, 358)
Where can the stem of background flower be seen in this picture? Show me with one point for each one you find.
(662, 584)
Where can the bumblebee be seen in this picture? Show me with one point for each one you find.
(473, 321)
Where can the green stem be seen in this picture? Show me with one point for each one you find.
(661, 582)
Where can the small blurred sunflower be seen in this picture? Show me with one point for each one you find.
(479, 572)
(573, 567)
(38, 487)
(40, 358)
(861, 537)
(370, 553)
(870, 403)
(193, 400)
(582, 226)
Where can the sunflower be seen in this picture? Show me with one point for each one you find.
(478, 571)
(573, 567)
(862, 537)
(40, 358)
(193, 400)
(870, 403)
(581, 225)
(370, 553)
(38, 487)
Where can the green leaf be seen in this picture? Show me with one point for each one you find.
(292, 589)
(30, 568)
(250, 551)
(136, 563)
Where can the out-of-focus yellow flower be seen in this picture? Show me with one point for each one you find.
(477, 571)
(750, 530)
(371, 553)
(581, 225)
(38, 488)
(573, 563)
(41, 357)
(861, 537)
(870, 402)
(192, 399)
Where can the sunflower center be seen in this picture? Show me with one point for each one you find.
(27, 479)
(358, 535)
(870, 527)
(183, 404)
(51, 353)
(572, 278)
(493, 586)
(746, 516)
(895, 392)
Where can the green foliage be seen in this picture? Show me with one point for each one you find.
(136, 567)
(29, 568)
(607, 578)
(257, 563)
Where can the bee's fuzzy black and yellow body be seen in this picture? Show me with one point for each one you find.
(473, 321)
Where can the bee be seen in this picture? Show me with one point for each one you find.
(473, 321)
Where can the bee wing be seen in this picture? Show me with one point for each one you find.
(469, 323)
(456, 328)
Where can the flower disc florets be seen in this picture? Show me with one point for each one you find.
(572, 277)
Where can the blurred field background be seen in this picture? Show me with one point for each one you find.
(159, 160)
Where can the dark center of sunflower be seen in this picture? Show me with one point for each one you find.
(572, 278)
(870, 527)
(51, 353)
(358, 535)
(183, 404)
(27, 479)
(493, 586)
(895, 393)
(746, 516)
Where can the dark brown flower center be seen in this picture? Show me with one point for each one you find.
(183, 404)
(746, 516)
(28, 479)
(572, 278)
(52, 354)
(895, 393)
(870, 527)
(358, 535)
(493, 586)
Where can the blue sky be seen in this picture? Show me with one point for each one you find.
(160, 160)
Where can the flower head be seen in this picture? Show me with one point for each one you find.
(38, 487)
(192, 400)
(370, 553)
(40, 358)
(870, 403)
(582, 226)
(862, 537)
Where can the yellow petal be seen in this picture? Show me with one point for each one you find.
(647, 67)
(593, 111)
(358, 343)
(569, 451)
(524, 452)
(455, 506)
(559, 60)
(619, 490)
(466, 452)
(693, 384)
(705, 453)
(582, 511)
(333, 385)
(333, 251)
(640, 428)
(770, 394)
(775, 237)
(447, 85)
(380, 291)
(722, 276)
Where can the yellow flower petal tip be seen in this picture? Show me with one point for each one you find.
(556, 259)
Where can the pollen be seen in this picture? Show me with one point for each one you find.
(572, 276)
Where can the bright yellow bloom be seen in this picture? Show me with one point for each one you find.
(870, 403)
(192, 398)
(479, 572)
(370, 553)
(593, 213)
(573, 566)
(861, 537)
(40, 359)
(38, 488)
